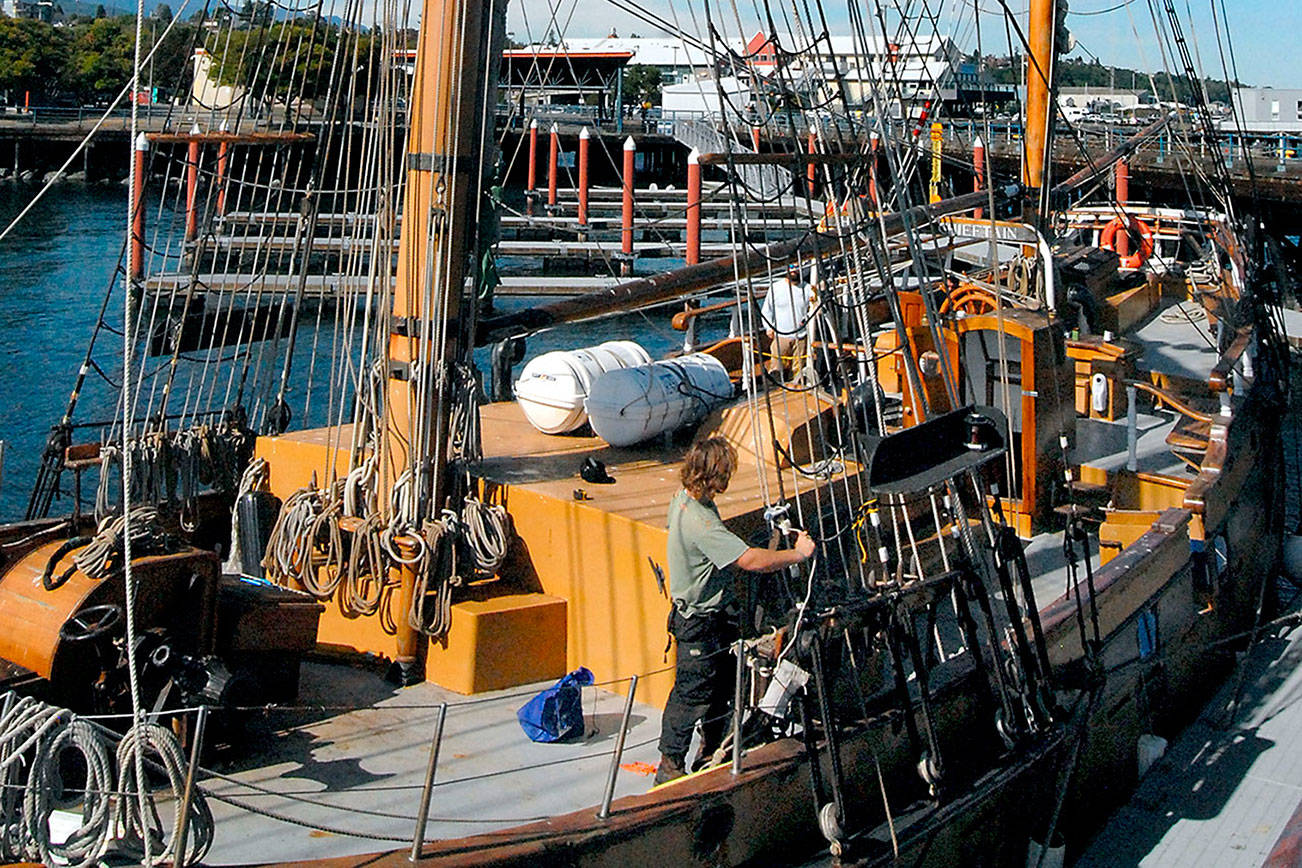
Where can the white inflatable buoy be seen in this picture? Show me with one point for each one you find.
(552, 386)
(635, 404)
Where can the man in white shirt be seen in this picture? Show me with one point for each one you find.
(785, 315)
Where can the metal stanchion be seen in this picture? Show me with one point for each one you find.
(1132, 430)
(619, 751)
(736, 708)
(422, 816)
(179, 857)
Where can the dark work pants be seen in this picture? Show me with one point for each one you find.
(703, 684)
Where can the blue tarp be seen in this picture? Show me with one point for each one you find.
(557, 712)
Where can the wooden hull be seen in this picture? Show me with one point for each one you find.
(767, 813)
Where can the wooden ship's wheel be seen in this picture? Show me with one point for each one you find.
(969, 299)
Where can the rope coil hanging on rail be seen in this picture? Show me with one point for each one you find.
(34, 741)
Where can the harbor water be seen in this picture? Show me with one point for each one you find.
(54, 270)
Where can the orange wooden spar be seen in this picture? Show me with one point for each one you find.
(755, 139)
(137, 263)
(979, 172)
(445, 136)
(693, 207)
(553, 158)
(584, 137)
(1039, 67)
(192, 186)
(630, 148)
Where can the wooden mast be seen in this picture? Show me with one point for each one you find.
(427, 333)
(1039, 93)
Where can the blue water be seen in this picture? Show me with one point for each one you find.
(54, 271)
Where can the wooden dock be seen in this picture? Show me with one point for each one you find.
(354, 286)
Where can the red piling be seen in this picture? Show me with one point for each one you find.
(694, 207)
(979, 175)
(627, 223)
(533, 164)
(192, 186)
(221, 176)
(137, 261)
(583, 176)
(553, 157)
(872, 169)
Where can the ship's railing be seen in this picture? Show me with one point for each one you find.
(331, 818)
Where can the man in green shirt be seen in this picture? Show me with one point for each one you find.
(699, 551)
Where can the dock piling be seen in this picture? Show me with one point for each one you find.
(222, 157)
(192, 185)
(584, 143)
(1123, 198)
(187, 797)
(693, 254)
(626, 222)
(140, 153)
(553, 159)
(873, 139)
(531, 187)
(979, 173)
(810, 174)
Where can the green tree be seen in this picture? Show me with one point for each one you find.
(294, 60)
(163, 12)
(32, 57)
(102, 57)
(642, 84)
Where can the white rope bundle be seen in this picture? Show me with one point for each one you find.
(158, 747)
(104, 553)
(91, 839)
(485, 530)
(34, 739)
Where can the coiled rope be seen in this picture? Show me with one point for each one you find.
(158, 748)
(101, 555)
(34, 739)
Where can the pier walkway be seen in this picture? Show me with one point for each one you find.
(1223, 794)
(1229, 790)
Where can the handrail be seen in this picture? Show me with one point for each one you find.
(1219, 379)
(681, 319)
(1175, 403)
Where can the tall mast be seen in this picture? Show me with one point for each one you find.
(453, 71)
(1039, 92)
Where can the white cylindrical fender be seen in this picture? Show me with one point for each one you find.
(635, 404)
(553, 386)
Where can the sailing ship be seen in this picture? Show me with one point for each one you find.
(1034, 433)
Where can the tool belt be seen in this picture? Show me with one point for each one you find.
(702, 634)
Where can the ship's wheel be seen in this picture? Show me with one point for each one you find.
(969, 300)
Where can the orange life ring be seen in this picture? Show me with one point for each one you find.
(1108, 240)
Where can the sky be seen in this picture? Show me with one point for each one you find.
(1266, 34)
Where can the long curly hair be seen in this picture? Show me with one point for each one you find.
(708, 467)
